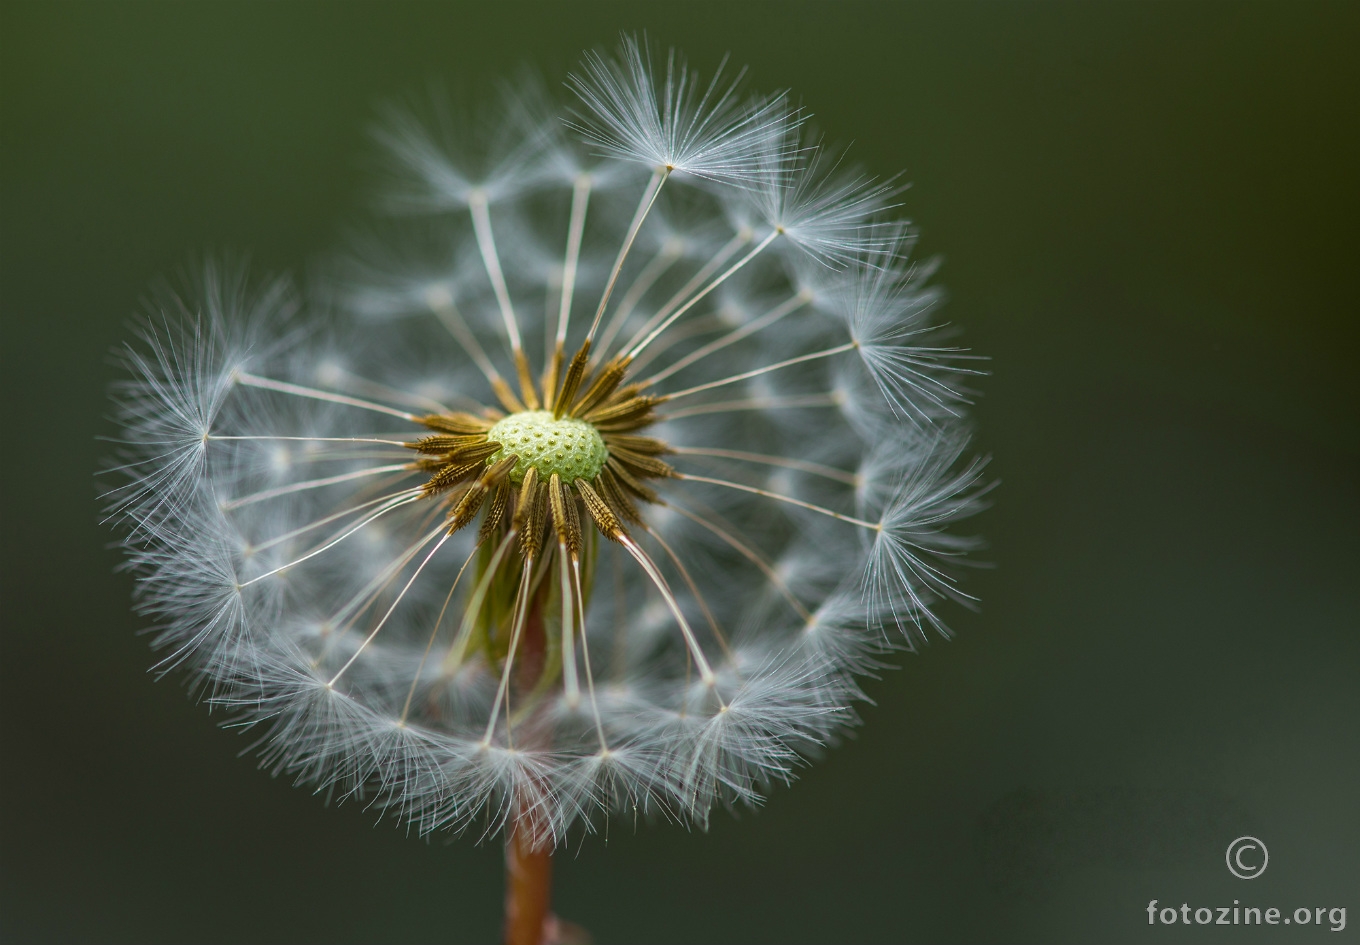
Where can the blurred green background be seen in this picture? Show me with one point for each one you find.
(1148, 215)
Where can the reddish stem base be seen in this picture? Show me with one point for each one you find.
(528, 889)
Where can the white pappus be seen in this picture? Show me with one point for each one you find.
(586, 482)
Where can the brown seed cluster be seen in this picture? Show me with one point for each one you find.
(466, 475)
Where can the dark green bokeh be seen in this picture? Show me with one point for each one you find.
(1148, 217)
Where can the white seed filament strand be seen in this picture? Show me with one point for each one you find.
(444, 309)
(656, 267)
(872, 526)
(764, 321)
(747, 375)
(415, 680)
(521, 612)
(738, 240)
(570, 686)
(659, 177)
(383, 622)
(736, 267)
(828, 399)
(474, 607)
(585, 652)
(784, 462)
(283, 387)
(310, 484)
(486, 243)
(641, 557)
(278, 539)
(314, 439)
(580, 198)
(394, 504)
(751, 555)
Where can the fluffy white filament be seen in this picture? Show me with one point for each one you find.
(290, 560)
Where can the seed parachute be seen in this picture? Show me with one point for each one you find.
(584, 483)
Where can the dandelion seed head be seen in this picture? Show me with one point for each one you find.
(588, 481)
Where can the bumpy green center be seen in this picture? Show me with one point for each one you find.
(571, 448)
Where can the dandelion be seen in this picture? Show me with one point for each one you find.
(584, 486)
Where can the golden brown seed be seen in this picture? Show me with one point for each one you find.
(642, 445)
(576, 372)
(446, 444)
(506, 396)
(527, 517)
(624, 413)
(642, 465)
(605, 520)
(526, 381)
(568, 530)
(629, 483)
(607, 484)
(461, 423)
(450, 474)
(495, 512)
(605, 383)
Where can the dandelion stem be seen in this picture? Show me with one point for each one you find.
(528, 886)
(528, 852)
